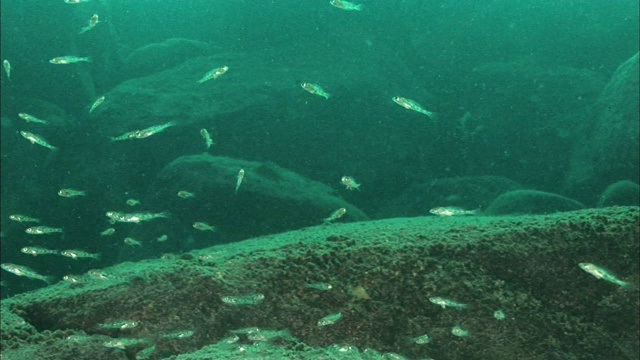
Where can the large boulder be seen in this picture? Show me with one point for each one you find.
(620, 193)
(270, 199)
(606, 147)
(531, 202)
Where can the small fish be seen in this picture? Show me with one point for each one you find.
(458, 331)
(69, 59)
(21, 270)
(452, 211)
(421, 340)
(315, 89)
(120, 324)
(499, 315)
(185, 194)
(133, 202)
(601, 273)
(41, 230)
(345, 5)
(37, 139)
(22, 218)
(96, 103)
(36, 250)
(79, 254)
(350, 183)
(213, 74)
(330, 319)
(203, 226)
(152, 130)
(76, 1)
(99, 274)
(7, 68)
(178, 334)
(207, 137)
(71, 193)
(239, 180)
(248, 299)
(123, 343)
(132, 242)
(108, 232)
(116, 216)
(92, 23)
(71, 278)
(319, 286)
(412, 105)
(30, 118)
(446, 302)
(335, 215)
(162, 238)
(145, 133)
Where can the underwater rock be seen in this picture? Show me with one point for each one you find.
(531, 202)
(524, 265)
(620, 193)
(469, 192)
(164, 55)
(606, 146)
(270, 199)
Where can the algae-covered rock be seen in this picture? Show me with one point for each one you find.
(531, 202)
(181, 306)
(621, 193)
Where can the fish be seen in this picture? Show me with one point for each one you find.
(239, 180)
(71, 193)
(108, 232)
(178, 334)
(132, 202)
(203, 226)
(36, 250)
(458, 331)
(27, 272)
(315, 89)
(412, 105)
(37, 139)
(30, 118)
(123, 343)
(77, 254)
(335, 215)
(96, 103)
(99, 274)
(446, 302)
(120, 324)
(248, 299)
(7, 68)
(330, 319)
(132, 242)
(213, 74)
(69, 59)
(41, 230)
(207, 137)
(71, 278)
(350, 183)
(116, 216)
(601, 273)
(452, 211)
(499, 315)
(421, 340)
(76, 1)
(185, 194)
(162, 238)
(145, 133)
(22, 218)
(345, 5)
(92, 23)
(319, 286)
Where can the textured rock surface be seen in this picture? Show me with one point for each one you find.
(383, 274)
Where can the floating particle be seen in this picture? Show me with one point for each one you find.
(499, 315)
